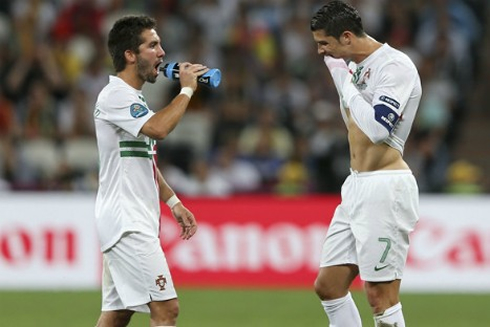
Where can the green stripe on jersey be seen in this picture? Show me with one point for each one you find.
(133, 144)
(139, 154)
(138, 149)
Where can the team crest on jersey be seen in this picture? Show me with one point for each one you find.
(138, 110)
(363, 83)
(361, 80)
(357, 74)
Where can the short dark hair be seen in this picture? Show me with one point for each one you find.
(337, 17)
(126, 35)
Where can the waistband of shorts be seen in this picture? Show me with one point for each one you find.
(380, 172)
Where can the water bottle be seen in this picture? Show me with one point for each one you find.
(211, 78)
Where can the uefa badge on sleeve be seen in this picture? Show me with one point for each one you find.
(138, 110)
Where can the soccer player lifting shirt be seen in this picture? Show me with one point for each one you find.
(379, 90)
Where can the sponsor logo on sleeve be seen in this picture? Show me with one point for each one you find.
(390, 101)
(386, 116)
(138, 110)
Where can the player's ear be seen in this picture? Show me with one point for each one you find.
(130, 56)
(346, 38)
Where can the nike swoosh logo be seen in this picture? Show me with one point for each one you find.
(376, 268)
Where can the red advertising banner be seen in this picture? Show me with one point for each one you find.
(48, 241)
(250, 241)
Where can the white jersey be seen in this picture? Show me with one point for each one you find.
(128, 194)
(389, 82)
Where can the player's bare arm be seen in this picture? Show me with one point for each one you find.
(165, 120)
(184, 217)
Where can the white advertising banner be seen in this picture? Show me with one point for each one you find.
(450, 249)
(48, 241)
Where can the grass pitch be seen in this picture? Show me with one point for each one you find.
(237, 308)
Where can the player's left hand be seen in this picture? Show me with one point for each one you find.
(186, 220)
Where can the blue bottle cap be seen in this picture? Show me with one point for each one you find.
(214, 77)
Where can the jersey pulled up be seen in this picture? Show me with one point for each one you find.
(390, 86)
(128, 195)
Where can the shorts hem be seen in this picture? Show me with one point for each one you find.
(330, 264)
(142, 307)
(136, 304)
(380, 279)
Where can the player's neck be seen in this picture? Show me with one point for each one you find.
(131, 78)
(365, 46)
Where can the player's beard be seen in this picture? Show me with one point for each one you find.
(145, 70)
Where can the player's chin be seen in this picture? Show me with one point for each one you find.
(152, 78)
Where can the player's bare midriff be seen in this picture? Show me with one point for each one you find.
(366, 156)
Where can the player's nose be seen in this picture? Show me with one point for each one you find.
(161, 52)
(320, 50)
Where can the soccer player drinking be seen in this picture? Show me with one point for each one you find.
(136, 276)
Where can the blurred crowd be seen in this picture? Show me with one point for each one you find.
(272, 126)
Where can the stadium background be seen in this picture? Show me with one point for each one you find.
(269, 133)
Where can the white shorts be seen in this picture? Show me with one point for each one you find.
(135, 272)
(371, 226)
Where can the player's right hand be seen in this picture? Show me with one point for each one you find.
(188, 74)
(185, 219)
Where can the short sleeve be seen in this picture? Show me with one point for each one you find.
(127, 110)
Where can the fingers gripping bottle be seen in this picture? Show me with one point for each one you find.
(211, 78)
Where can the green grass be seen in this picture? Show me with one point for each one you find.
(237, 308)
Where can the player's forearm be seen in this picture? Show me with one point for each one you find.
(166, 191)
(165, 120)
